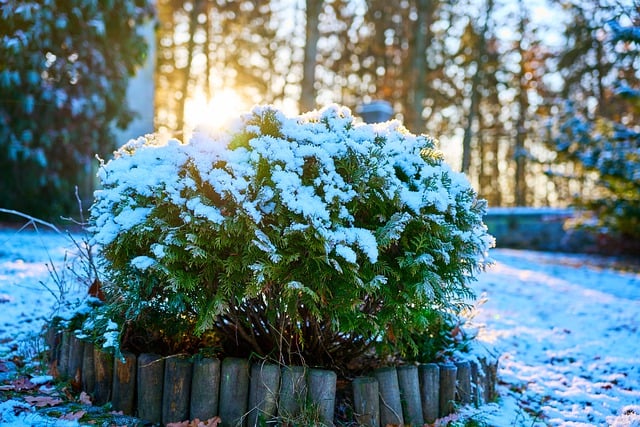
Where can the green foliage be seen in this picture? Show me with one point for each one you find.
(609, 152)
(607, 145)
(64, 68)
(310, 239)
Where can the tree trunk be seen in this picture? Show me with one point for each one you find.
(523, 104)
(423, 39)
(308, 93)
(475, 92)
(193, 22)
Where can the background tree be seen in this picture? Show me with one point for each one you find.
(312, 32)
(64, 68)
(206, 47)
(478, 48)
(603, 137)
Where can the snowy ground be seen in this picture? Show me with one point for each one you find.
(568, 329)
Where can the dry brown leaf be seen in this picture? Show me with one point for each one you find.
(42, 401)
(22, 384)
(211, 422)
(85, 399)
(73, 416)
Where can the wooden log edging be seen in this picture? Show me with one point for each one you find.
(174, 389)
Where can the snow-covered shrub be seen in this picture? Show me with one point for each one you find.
(305, 239)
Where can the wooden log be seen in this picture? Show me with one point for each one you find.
(234, 396)
(485, 378)
(491, 374)
(103, 366)
(263, 394)
(293, 391)
(150, 382)
(205, 388)
(429, 374)
(74, 368)
(488, 378)
(52, 339)
(366, 401)
(124, 384)
(476, 387)
(63, 356)
(176, 390)
(88, 368)
(321, 385)
(463, 379)
(390, 403)
(448, 374)
(409, 384)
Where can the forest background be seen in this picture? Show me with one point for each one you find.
(536, 101)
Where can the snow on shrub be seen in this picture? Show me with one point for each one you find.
(306, 239)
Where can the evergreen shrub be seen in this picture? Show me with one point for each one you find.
(311, 239)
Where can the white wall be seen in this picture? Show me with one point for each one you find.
(140, 93)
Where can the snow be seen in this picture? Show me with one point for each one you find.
(567, 330)
(566, 327)
(29, 297)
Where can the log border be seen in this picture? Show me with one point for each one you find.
(166, 389)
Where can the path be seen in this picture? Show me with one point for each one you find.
(568, 332)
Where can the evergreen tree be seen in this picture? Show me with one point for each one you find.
(64, 68)
(605, 139)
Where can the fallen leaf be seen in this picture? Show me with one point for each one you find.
(73, 416)
(95, 290)
(42, 401)
(85, 399)
(211, 422)
(22, 384)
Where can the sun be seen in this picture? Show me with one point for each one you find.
(215, 113)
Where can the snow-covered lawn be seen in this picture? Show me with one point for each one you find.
(568, 329)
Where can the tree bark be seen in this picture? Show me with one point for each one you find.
(308, 93)
(423, 39)
(475, 91)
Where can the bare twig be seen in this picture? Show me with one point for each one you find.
(30, 218)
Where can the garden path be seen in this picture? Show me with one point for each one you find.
(567, 328)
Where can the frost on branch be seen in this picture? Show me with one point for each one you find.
(310, 238)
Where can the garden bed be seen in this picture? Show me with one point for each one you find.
(244, 392)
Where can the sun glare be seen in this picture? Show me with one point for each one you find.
(216, 113)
